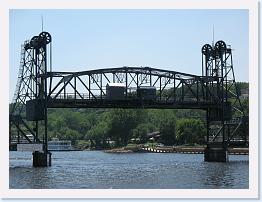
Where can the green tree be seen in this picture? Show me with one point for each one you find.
(168, 131)
(122, 122)
(142, 130)
(99, 134)
(190, 131)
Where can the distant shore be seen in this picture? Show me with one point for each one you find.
(166, 149)
(178, 149)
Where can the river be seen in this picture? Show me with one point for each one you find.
(99, 170)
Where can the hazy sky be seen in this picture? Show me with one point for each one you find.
(167, 39)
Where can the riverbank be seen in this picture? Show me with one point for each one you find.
(178, 149)
(130, 148)
(118, 150)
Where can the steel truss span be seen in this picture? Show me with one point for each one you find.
(89, 89)
(39, 88)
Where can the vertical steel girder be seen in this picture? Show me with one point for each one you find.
(217, 61)
(31, 85)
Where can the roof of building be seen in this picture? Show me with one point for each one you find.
(154, 134)
(122, 85)
(146, 87)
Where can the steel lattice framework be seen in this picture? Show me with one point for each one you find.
(217, 61)
(88, 88)
(214, 91)
(30, 86)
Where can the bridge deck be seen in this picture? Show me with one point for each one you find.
(127, 103)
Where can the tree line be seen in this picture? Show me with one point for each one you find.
(95, 127)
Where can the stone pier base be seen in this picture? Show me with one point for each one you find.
(215, 153)
(41, 159)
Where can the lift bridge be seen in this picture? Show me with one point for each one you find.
(39, 88)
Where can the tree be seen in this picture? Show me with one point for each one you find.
(164, 121)
(168, 131)
(141, 131)
(99, 134)
(122, 122)
(190, 131)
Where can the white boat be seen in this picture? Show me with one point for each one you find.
(59, 145)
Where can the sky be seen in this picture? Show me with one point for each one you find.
(167, 39)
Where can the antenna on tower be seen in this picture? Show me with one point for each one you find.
(42, 23)
(213, 35)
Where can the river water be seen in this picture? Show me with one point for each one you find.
(99, 170)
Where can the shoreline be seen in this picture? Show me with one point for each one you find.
(183, 150)
(178, 149)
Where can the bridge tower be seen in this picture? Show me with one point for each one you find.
(217, 63)
(29, 107)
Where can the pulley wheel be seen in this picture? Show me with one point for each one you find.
(221, 46)
(45, 38)
(34, 42)
(207, 49)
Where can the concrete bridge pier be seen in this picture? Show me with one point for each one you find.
(41, 159)
(216, 152)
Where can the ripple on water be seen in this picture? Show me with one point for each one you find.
(97, 170)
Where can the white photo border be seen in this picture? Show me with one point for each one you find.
(251, 193)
